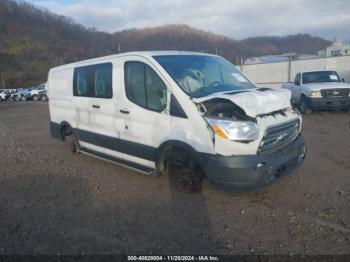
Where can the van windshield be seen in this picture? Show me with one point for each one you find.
(201, 75)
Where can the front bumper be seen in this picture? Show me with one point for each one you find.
(329, 103)
(251, 172)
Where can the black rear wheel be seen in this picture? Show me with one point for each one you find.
(68, 136)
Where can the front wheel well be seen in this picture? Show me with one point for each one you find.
(179, 154)
(65, 130)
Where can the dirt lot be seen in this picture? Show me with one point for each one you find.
(53, 202)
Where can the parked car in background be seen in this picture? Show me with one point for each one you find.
(1, 95)
(22, 94)
(6, 93)
(12, 95)
(36, 92)
(320, 90)
(43, 95)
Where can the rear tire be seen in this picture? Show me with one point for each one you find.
(35, 97)
(68, 137)
(23, 98)
(16, 98)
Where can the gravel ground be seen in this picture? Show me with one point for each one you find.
(53, 202)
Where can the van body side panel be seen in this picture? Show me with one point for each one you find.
(131, 165)
(118, 155)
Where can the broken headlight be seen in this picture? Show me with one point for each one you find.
(240, 131)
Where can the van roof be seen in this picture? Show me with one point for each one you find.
(135, 53)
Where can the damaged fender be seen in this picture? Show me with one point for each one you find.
(264, 107)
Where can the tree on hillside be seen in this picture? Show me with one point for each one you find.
(34, 39)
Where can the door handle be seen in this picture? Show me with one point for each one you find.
(95, 106)
(124, 111)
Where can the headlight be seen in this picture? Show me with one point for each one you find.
(241, 131)
(315, 94)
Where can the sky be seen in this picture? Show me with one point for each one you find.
(237, 19)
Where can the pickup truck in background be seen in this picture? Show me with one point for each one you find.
(319, 90)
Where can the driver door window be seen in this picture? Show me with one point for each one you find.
(144, 87)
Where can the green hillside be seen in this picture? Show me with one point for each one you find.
(34, 40)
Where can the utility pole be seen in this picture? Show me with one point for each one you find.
(289, 67)
(3, 82)
(118, 49)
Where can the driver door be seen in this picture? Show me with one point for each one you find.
(143, 110)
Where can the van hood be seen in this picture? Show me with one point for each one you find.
(255, 102)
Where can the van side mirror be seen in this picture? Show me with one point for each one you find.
(343, 80)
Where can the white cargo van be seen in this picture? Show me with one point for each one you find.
(145, 110)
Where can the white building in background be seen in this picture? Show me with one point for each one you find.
(338, 48)
(277, 58)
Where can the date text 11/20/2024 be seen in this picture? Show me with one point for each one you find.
(173, 258)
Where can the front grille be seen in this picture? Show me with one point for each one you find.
(335, 93)
(277, 137)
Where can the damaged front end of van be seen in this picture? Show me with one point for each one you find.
(256, 136)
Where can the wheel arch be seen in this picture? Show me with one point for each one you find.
(168, 146)
(57, 130)
(63, 126)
